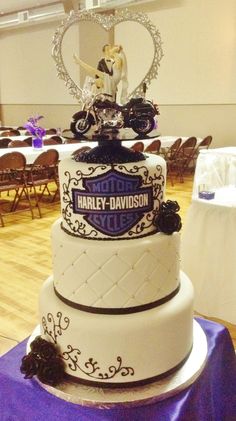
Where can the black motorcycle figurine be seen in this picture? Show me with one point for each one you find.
(138, 114)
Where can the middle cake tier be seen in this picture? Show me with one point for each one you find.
(115, 276)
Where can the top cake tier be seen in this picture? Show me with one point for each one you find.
(111, 201)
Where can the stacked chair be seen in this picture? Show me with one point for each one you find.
(10, 132)
(17, 144)
(4, 142)
(54, 140)
(154, 147)
(71, 140)
(12, 178)
(181, 159)
(170, 154)
(41, 173)
(138, 147)
(6, 128)
(51, 131)
(80, 150)
(204, 144)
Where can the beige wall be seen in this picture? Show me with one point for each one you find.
(195, 88)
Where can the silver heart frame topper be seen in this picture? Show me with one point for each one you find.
(107, 22)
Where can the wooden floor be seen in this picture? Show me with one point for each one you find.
(25, 263)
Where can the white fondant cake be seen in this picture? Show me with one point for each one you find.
(116, 306)
(120, 349)
(115, 274)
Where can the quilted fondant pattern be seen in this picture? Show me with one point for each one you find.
(116, 275)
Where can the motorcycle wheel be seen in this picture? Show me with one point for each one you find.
(143, 125)
(81, 125)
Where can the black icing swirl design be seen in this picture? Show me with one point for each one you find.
(45, 361)
(91, 367)
(53, 327)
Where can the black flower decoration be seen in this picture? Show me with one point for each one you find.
(44, 362)
(51, 372)
(170, 205)
(45, 349)
(167, 220)
(29, 365)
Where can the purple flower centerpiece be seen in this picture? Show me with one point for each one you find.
(36, 131)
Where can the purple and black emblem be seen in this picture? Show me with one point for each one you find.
(113, 203)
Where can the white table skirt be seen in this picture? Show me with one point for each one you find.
(215, 168)
(208, 255)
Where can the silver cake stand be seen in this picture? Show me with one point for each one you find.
(105, 398)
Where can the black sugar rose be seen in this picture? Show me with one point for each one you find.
(45, 349)
(44, 362)
(51, 372)
(168, 222)
(35, 344)
(29, 365)
(170, 205)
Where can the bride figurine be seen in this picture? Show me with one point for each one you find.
(111, 70)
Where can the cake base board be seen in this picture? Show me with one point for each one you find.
(105, 398)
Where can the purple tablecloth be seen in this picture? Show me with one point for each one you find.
(211, 398)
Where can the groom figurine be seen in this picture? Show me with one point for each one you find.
(105, 65)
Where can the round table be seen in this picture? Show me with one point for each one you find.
(208, 254)
(215, 168)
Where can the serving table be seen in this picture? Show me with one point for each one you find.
(211, 397)
(215, 168)
(208, 246)
(208, 250)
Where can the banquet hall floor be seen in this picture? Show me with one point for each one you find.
(26, 263)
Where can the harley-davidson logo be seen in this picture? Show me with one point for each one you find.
(113, 203)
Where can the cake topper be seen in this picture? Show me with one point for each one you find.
(110, 71)
(107, 22)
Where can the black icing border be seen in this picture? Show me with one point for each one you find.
(127, 310)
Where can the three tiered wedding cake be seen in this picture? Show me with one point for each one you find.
(117, 311)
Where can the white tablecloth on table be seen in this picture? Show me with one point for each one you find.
(31, 154)
(215, 168)
(65, 150)
(208, 254)
(23, 137)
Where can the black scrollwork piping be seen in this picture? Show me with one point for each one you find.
(54, 328)
(91, 367)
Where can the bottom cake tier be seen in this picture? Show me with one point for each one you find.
(120, 350)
